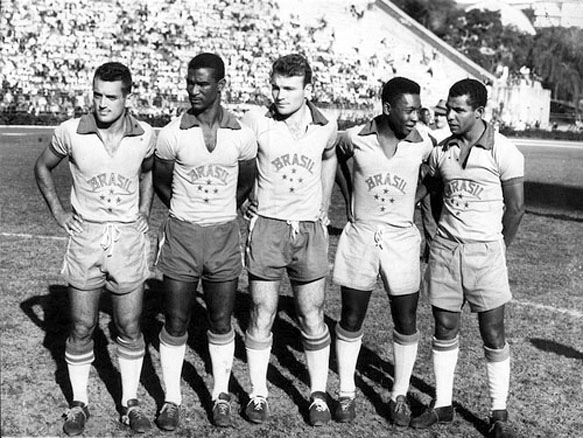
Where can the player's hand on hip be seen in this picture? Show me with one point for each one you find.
(142, 223)
(323, 217)
(71, 222)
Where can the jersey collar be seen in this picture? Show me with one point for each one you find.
(227, 120)
(486, 142)
(372, 127)
(88, 125)
(317, 117)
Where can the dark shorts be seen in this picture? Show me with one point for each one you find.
(300, 248)
(187, 251)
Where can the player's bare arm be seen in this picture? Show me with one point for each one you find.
(68, 220)
(513, 192)
(146, 194)
(246, 179)
(162, 175)
(329, 165)
(344, 152)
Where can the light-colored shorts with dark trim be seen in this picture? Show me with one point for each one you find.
(473, 272)
(367, 250)
(300, 248)
(112, 254)
(188, 251)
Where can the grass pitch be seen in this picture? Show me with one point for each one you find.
(544, 327)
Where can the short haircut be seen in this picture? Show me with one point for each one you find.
(293, 65)
(209, 60)
(396, 87)
(474, 89)
(115, 71)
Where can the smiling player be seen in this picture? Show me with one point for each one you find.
(381, 238)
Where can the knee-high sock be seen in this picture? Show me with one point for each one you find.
(130, 357)
(258, 352)
(317, 349)
(404, 355)
(221, 350)
(172, 351)
(347, 349)
(445, 354)
(79, 362)
(498, 373)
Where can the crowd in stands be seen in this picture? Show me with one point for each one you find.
(50, 49)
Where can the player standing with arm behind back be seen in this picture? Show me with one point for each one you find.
(482, 175)
(110, 157)
(201, 159)
(296, 165)
(387, 153)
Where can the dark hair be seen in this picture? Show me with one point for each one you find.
(115, 71)
(474, 89)
(209, 60)
(396, 87)
(293, 65)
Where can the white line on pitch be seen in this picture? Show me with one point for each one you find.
(573, 313)
(32, 236)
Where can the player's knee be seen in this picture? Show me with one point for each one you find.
(351, 322)
(82, 330)
(220, 324)
(129, 329)
(176, 327)
(493, 338)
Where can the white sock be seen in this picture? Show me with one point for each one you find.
(79, 362)
(404, 355)
(172, 351)
(317, 349)
(498, 373)
(130, 359)
(79, 378)
(347, 349)
(221, 350)
(258, 353)
(445, 354)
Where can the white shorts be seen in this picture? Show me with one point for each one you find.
(366, 250)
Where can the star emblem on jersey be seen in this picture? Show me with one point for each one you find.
(459, 194)
(110, 189)
(208, 180)
(295, 170)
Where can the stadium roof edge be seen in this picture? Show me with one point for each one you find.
(469, 65)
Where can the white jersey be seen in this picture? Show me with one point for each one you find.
(204, 184)
(384, 188)
(105, 187)
(289, 185)
(473, 203)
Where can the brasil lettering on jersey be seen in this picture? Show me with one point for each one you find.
(294, 160)
(209, 171)
(462, 186)
(387, 179)
(109, 180)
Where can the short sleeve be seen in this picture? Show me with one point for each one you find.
(166, 145)
(58, 143)
(333, 135)
(152, 142)
(248, 144)
(251, 119)
(432, 162)
(509, 159)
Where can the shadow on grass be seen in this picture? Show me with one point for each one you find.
(544, 195)
(51, 314)
(555, 347)
(197, 342)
